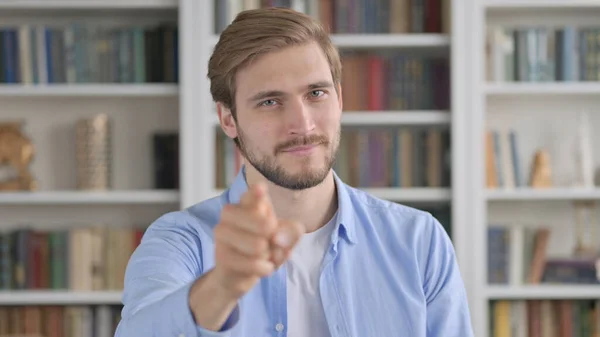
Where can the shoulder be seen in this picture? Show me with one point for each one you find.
(195, 221)
(391, 215)
(403, 229)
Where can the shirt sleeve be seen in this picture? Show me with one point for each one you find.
(447, 304)
(158, 278)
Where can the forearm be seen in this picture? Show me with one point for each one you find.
(169, 316)
(158, 282)
(211, 305)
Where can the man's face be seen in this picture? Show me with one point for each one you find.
(288, 116)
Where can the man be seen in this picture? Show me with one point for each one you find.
(289, 249)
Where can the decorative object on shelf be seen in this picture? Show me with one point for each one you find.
(16, 152)
(541, 172)
(93, 153)
(165, 147)
(584, 160)
(585, 228)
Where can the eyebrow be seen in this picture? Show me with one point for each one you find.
(275, 93)
(320, 84)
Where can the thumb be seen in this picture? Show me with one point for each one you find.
(288, 233)
(287, 236)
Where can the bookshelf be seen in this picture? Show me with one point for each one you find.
(539, 104)
(138, 110)
(49, 98)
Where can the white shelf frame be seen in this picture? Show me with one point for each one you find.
(533, 194)
(88, 4)
(89, 197)
(542, 88)
(363, 41)
(89, 90)
(543, 291)
(540, 4)
(60, 297)
(388, 118)
(390, 40)
(416, 194)
(413, 194)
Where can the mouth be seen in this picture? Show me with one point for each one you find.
(301, 149)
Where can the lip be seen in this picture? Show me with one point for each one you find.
(299, 150)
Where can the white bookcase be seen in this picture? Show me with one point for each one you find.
(543, 115)
(50, 112)
(138, 110)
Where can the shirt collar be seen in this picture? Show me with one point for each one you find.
(345, 220)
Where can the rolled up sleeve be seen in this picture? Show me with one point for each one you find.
(158, 279)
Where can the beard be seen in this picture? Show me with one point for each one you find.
(277, 174)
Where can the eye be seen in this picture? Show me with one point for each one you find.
(317, 93)
(269, 102)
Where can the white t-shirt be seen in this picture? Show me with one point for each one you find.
(304, 306)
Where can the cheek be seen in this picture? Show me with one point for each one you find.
(263, 134)
(328, 121)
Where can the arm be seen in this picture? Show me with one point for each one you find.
(158, 280)
(447, 305)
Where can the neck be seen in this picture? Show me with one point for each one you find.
(313, 207)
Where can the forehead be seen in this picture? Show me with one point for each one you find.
(288, 69)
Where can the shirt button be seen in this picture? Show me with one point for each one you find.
(181, 335)
(279, 327)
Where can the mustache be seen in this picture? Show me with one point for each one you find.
(302, 141)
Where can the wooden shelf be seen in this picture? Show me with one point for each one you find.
(51, 297)
(89, 90)
(554, 88)
(545, 291)
(84, 197)
(88, 4)
(359, 41)
(543, 194)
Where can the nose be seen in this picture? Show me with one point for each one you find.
(299, 117)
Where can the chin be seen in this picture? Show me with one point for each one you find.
(298, 176)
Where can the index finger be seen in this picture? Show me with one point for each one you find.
(258, 196)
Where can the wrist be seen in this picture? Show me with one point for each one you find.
(211, 304)
(216, 282)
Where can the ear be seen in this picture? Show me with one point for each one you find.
(226, 120)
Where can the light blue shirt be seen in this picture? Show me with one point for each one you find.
(390, 270)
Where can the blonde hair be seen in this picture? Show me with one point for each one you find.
(259, 31)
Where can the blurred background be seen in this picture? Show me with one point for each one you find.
(481, 112)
